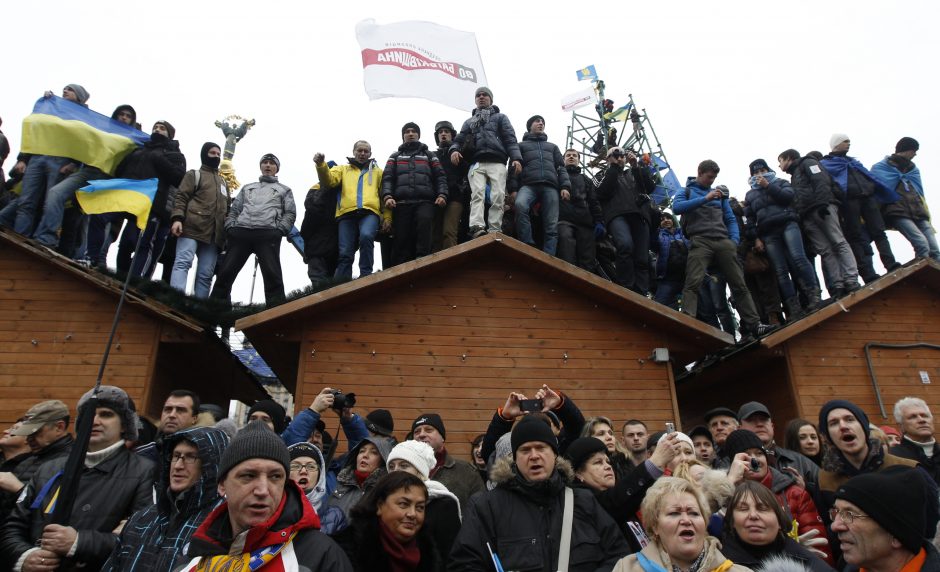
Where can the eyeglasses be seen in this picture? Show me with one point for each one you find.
(309, 467)
(187, 458)
(847, 516)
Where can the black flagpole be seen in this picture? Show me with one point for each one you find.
(71, 474)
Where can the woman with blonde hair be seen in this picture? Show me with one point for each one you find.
(602, 428)
(675, 513)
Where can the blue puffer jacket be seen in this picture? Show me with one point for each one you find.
(768, 209)
(492, 141)
(542, 163)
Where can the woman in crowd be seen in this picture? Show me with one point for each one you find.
(365, 465)
(675, 513)
(756, 529)
(603, 429)
(306, 469)
(442, 513)
(388, 532)
(802, 436)
(476, 456)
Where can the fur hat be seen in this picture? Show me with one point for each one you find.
(117, 400)
(418, 453)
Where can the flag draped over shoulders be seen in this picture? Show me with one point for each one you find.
(62, 128)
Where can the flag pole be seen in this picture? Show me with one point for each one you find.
(71, 474)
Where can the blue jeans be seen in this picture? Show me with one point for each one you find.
(186, 250)
(668, 292)
(42, 172)
(785, 250)
(53, 209)
(548, 197)
(920, 234)
(356, 230)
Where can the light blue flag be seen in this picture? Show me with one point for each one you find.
(587, 73)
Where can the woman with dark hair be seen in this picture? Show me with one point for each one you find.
(756, 529)
(387, 533)
(803, 437)
(476, 456)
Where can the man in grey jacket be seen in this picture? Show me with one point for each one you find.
(261, 213)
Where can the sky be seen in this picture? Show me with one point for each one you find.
(729, 81)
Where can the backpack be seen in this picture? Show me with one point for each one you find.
(677, 259)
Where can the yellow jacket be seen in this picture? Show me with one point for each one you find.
(360, 189)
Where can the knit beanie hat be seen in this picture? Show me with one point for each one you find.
(380, 421)
(170, 130)
(432, 419)
(484, 89)
(80, 92)
(271, 157)
(582, 449)
(906, 144)
(117, 400)
(895, 500)
(410, 125)
(739, 441)
(843, 404)
(274, 411)
(533, 119)
(254, 441)
(836, 139)
(532, 428)
(304, 449)
(418, 453)
(758, 164)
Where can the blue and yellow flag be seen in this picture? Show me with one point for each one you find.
(619, 114)
(62, 128)
(119, 195)
(587, 73)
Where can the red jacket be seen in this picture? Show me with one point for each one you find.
(798, 504)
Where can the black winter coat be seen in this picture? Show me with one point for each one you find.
(458, 188)
(622, 501)
(413, 174)
(909, 450)
(491, 142)
(735, 551)
(583, 208)
(572, 421)
(621, 190)
(812, 186)
(161, 160)
(26, 469)
(522, 523)
(319, 226)
(768, 209)
(542, 163)
(107, 494)
(363, 546)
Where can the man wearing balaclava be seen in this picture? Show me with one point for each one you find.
(199, 221)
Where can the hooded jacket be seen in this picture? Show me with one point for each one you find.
(359, 187)
(154, 538)
(490, 141)
(413, 174)
(266, 204)
(522, 522)
(332, 518)
(160, 159)
(348, 493)
(294, 525)
(202, 209)
(542, 163)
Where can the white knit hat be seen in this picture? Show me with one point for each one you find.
(418, 453)
(836, 139)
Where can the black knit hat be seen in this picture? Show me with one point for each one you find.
(582, 449)
(271, 157)
(758, 164)
(739, 441)
(304, 449)
(531, 428)
(895, 500)
(907, 144)
(274, 411)
(254, 441)
(380, 421)
(410, 125)
(432, 419)
(528, 124)
(843, 404)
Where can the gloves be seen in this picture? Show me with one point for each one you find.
(599, 230)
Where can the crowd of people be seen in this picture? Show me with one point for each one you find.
(544, 489)
(484, 179)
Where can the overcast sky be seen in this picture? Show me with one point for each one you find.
(729, 81)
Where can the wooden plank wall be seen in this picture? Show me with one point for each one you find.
(829, 361)
(69, 321)
(459, 346)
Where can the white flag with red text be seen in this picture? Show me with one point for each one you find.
(420, 59)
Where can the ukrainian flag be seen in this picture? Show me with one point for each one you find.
(119, 195)
(587, 73)
(62, 128)
(619, 114)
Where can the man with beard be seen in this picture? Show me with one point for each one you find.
(414, 187)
